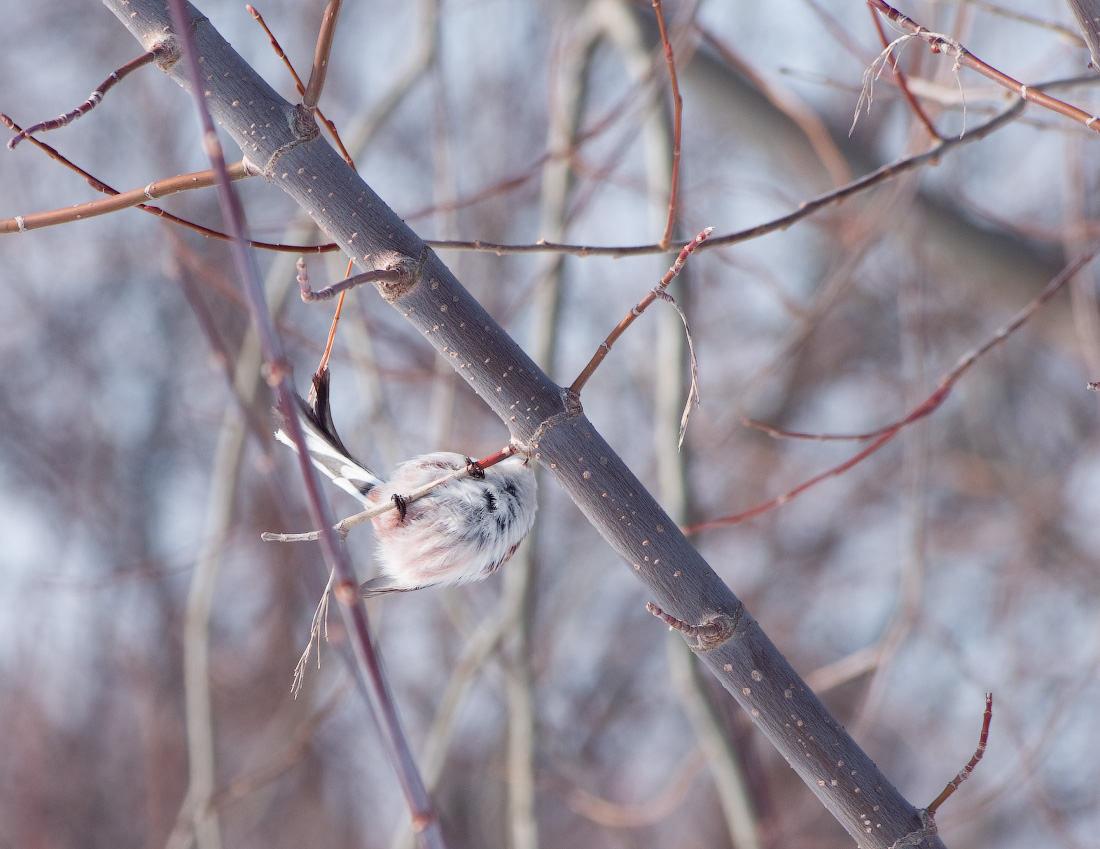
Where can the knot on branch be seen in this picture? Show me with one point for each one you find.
(927, 831)
(303, 124)
(304, 129)
(706, 636)
(167, 51)
(572, 402)
(408, 275)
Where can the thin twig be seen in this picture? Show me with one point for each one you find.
(119, 200)
(780, 433)
(804, 210)
(964, 774)
(331, 339)
(925, 408)
(705, 631)
(656, 292)
(677, 122)
(201, 179)
(377, 275)
(328, 25)
(92, 101)
(914, 104)
(939, 43)
(298, 84)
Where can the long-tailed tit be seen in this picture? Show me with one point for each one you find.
(462, 531)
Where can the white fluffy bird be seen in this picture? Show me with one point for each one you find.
(460, 532)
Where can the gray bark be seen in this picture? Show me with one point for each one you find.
(282, 142)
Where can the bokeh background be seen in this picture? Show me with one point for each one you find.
(149, 638)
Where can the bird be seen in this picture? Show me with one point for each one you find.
(460, 532)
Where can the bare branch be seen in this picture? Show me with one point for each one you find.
(656, 292)
(925, 408)
(964, 774)
(93, 100)
(201, 179)
(677, 125)
(939, 43)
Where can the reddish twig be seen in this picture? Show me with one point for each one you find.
(914, 104)
(925, 408)
(677, 119)
(93, 99)
(316, 80)
(298, 84)
(939, 43)
(658, 291)
(331, 339)
(954, 783)
(804, 210)
(132, 198)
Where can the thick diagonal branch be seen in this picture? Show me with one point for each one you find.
(280, 140)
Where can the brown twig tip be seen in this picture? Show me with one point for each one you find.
(703, 637)
(964, 774)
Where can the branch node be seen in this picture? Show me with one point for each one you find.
(927, 830)
(305, 130)
(167, 51)
(571, 401)
(393, 282)
(409, 274)
(251, 168)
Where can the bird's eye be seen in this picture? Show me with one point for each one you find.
(490, 501)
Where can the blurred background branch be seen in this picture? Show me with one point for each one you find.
(968, 548)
